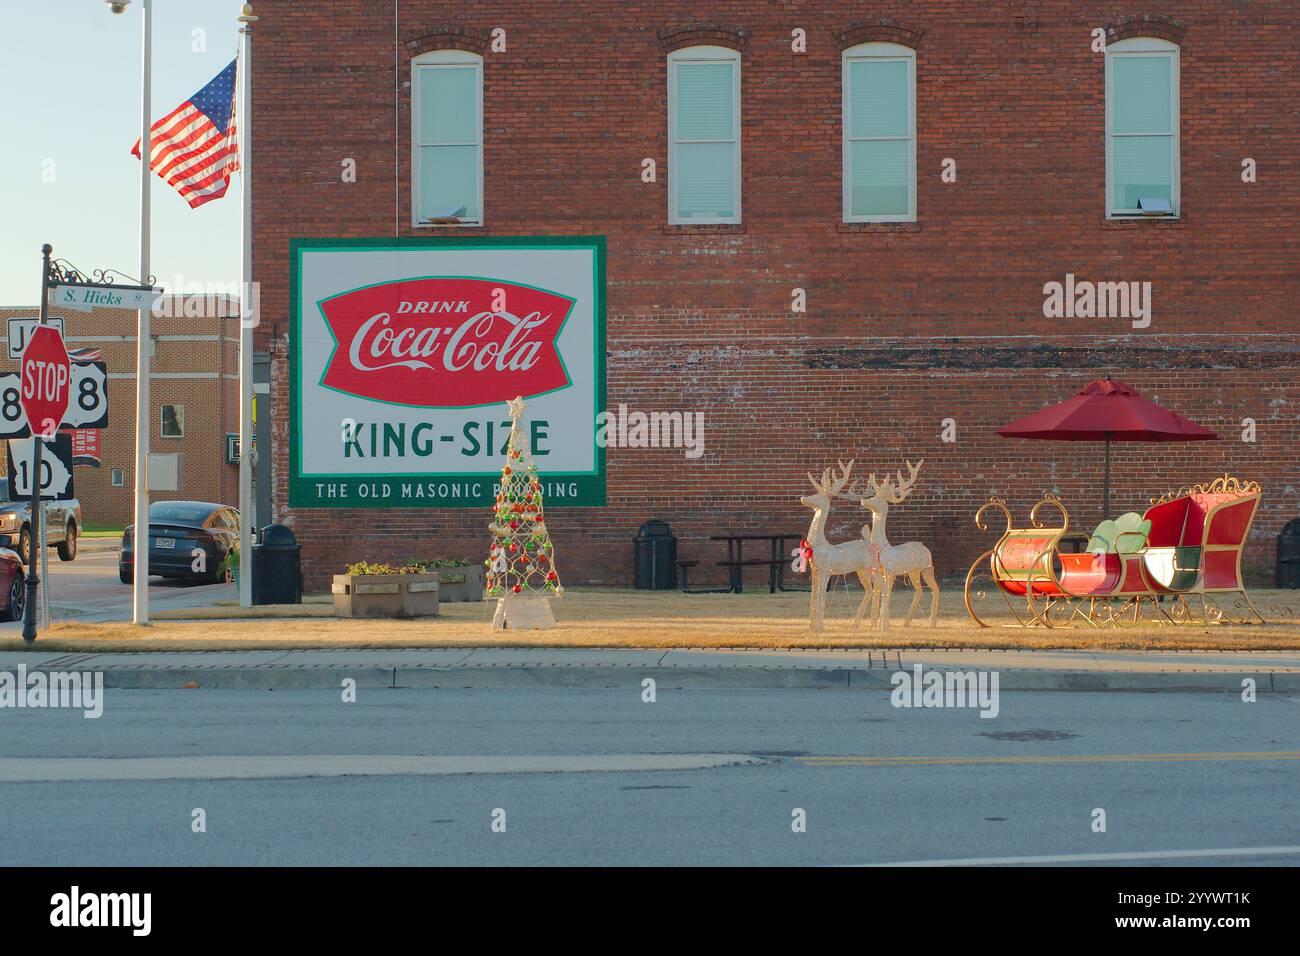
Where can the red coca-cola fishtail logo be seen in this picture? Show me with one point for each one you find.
(446, 341)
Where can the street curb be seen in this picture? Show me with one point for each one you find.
(245, 678)
(598, 676)
(97, 545)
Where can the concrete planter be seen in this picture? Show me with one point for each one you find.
(464, 582)
(385, 595)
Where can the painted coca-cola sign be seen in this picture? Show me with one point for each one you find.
(403, 354)
(446, 341)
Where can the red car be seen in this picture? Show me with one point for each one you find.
(13, 586)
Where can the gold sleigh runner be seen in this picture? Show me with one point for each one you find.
(1179, 562)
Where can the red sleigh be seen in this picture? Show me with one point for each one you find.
(1186, 548)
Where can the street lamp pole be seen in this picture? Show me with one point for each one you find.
(140, 586)
(247, 318)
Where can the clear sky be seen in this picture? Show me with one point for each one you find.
(69, 115)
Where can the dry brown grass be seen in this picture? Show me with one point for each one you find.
(224, 612)
(619, 618)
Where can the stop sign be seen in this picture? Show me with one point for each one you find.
(46, 377)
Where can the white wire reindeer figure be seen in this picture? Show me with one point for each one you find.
(855, 556)
(912, 559)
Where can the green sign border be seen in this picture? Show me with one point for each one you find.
(302, 489)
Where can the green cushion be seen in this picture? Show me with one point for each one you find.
(1108, 533)
(1103, 539)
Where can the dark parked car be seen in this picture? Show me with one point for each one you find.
(187, 539)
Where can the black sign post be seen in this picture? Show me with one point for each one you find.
(33, 577)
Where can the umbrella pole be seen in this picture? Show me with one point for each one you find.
(1105, 484)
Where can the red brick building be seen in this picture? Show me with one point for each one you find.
(194, 372)
(992, 148)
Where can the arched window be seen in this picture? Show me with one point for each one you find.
(447, 138)
(879, 93)
(1141, 128)
(704, 135)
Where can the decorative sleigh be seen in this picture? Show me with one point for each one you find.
(1182, 558)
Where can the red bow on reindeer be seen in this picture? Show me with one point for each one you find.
(802, 556)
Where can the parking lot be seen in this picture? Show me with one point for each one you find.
(89, 589)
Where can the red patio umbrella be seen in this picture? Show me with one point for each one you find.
(1107, 410)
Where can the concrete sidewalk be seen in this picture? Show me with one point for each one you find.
(529, 667)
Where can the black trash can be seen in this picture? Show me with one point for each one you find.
(655, 553)
(1288, 555)
(277, 567)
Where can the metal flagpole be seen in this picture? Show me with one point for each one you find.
(244, 127)
(140, 589)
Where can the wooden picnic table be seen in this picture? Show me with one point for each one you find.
(736, 561)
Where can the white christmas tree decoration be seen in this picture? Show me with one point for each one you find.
(521, 570)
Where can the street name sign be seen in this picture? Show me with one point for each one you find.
(83, 298)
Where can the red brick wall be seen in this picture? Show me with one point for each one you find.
(906, 325)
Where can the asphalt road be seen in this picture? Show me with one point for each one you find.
(89, 588)
(1212, 774)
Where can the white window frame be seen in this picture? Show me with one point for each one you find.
(703, 54)
(439, 59)
(884, 52)
(1145, 46)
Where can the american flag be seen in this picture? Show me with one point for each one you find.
(193, 147)
(84, 356)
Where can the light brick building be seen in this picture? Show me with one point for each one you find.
(924, 292)
(193, 375)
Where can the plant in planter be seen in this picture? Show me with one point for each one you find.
(459, 579)
(385, 590)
